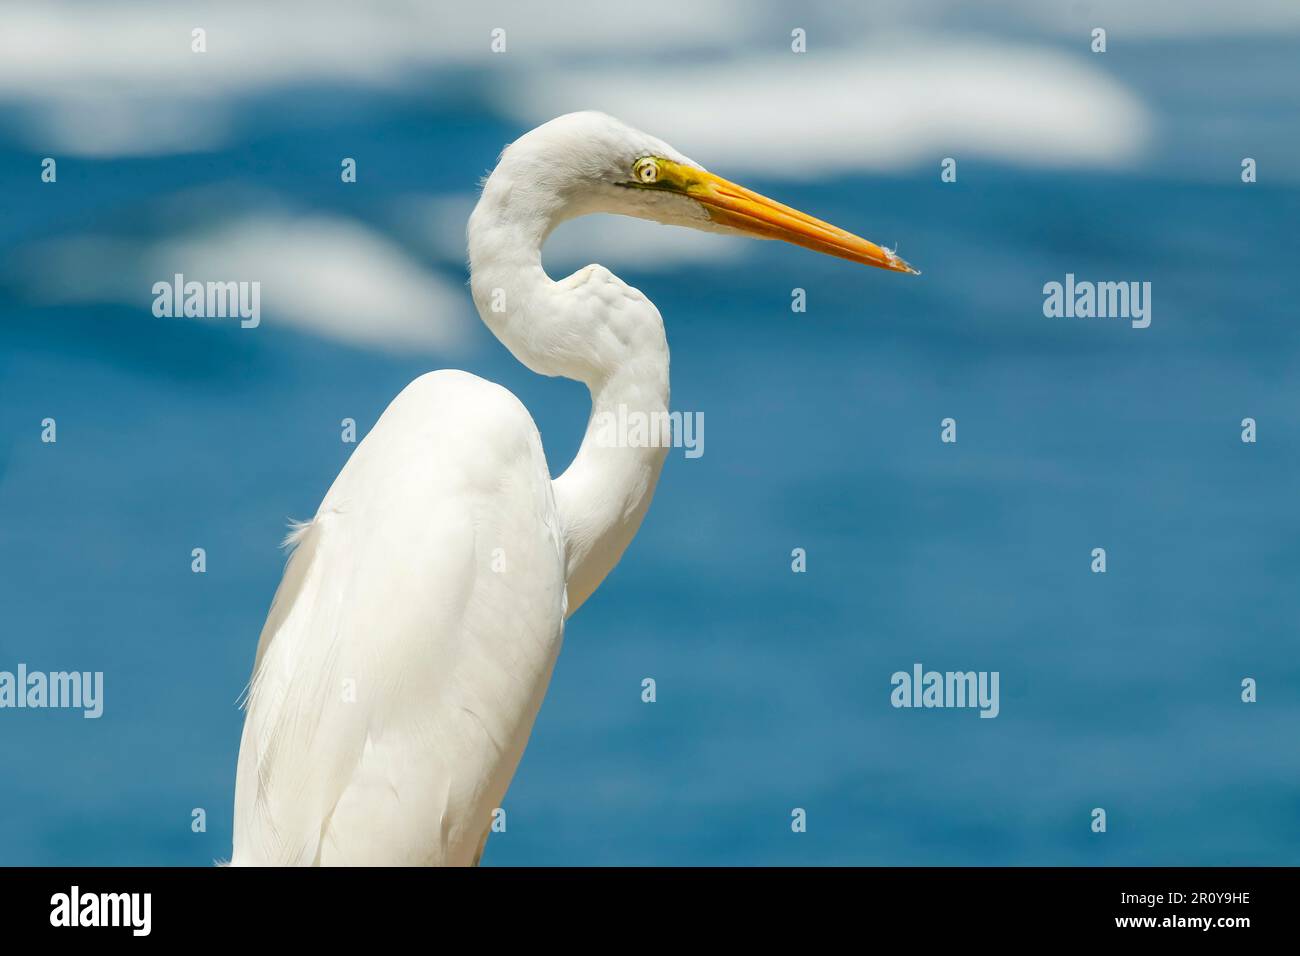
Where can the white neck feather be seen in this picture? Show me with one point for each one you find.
(590, 327)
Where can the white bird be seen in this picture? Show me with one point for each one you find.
(411, 640)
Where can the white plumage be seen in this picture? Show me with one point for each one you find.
(410, 643)
(398, 675)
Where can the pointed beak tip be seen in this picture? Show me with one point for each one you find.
(895, 264)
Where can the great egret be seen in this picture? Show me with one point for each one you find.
(410, 642)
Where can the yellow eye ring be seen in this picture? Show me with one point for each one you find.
(646, 170)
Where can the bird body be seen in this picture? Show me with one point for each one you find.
(399, 674)
(410, 643)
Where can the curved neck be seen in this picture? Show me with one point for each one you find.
(605, 493)
(592, 328)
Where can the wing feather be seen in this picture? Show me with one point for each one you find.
(410, 642)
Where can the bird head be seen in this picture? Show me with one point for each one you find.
(596, 163)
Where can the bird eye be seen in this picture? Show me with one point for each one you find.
(646, 170)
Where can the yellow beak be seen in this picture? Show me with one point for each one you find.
(743, 209)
